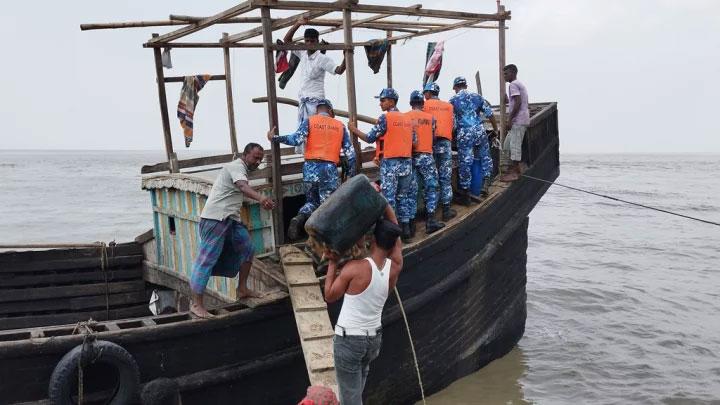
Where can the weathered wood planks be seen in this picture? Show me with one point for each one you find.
(311, 316)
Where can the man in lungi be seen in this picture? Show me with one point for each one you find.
(313, 65)
(225, 246)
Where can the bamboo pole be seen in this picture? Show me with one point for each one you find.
(338, 112)
(501, 62)
(275, 25)
(350, 79)
(172, 158)
(203, 45)
(389, 60)
(278, 223)
(230, 104)
(179, 33)
(477, 82)
(180, 79)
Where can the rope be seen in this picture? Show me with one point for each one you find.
(412, 346)
(623, 201)
(89, 336)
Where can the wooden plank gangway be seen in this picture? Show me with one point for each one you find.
(311, 316)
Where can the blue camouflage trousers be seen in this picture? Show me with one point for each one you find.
(426, 174)
(396, 184)
(442, 149)
(320, 179)
(467, 138)
(484, 155)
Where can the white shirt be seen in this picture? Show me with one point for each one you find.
(313, 73)
(225, 199)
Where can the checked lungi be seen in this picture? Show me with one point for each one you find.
(224, 247)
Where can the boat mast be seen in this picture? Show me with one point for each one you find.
(230, 104)
(267, 31)
(172, 158)
(501, 63)
(350, 78)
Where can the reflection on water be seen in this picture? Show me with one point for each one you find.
(497, 383)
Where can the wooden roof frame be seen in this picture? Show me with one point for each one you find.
(313, 11)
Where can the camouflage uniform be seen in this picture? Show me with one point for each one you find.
(320, 178)
(426, 173)
(470, 132)
(395, 176)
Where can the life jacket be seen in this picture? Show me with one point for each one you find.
(422, 122)
(443, 113)
(324, 139)
(398, 137)
(379, 146)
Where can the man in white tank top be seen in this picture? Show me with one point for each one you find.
(364, 286)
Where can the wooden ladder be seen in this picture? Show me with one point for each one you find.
(311, 316)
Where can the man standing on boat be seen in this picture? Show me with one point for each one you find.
(324, 138)
(314, 66)
(442, 111)
(424, 168)
(396, 165)
(364, 286)
(225, 245)
(517, 123)
(469, 108)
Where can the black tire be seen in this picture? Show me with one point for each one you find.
(65, 373)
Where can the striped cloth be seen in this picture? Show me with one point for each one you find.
(224, 246)
(188, 101)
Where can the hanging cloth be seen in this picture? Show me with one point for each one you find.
(292, 64)
(433, 58)
(281, 60)
(188, 101)
(166, 60)
(375, 52)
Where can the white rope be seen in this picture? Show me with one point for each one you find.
(412, 346)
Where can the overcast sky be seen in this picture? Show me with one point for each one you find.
(628, 75)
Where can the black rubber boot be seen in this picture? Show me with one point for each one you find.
(448, 213)
(432, 225)
(412, 228)
(463, 197)
(296, 226)
(406, 234)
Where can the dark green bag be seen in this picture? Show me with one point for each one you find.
(347, 214)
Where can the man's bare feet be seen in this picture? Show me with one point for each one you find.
(199, 311)
(245, 292)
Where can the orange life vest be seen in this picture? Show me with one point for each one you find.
(398, 137)
(443, 113)
(422, 122)
(324, 139)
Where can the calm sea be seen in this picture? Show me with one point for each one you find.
(623, 303)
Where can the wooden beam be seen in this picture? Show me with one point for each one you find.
(275, 25)
(477, 82)
(174, 20)
(340, 113)
(378, 9)
(232, 12)
(314, 47)
(233, 20)
(350, 79)
(180, 79)
(167, 134)
(278, 223)
(388, 58)
(435, 30)
(203, 45)
(501, 66)
(230, 104)
(339, 23)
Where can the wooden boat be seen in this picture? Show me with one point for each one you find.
(463, 288)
